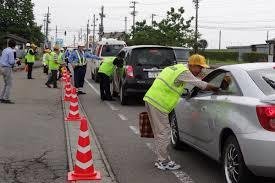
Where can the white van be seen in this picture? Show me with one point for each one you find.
(106, 48)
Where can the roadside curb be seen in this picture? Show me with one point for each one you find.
(71, 132)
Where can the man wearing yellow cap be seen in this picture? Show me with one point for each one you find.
(162, 98)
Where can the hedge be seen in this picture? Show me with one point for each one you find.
(254, 57)
(220, 55)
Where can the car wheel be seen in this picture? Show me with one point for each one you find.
(234, 166)
(122, 97)
(175, 139)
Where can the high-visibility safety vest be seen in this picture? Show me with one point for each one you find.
(81, 61)
(107, 67)
(46, 58)
(60, 58)
(53, 65)
(164, 94)
(30, 58)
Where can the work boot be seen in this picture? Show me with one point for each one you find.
(81, 93)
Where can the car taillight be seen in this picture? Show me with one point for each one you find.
(129, 71)
(266, 116)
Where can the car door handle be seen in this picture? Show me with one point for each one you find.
(203, 108)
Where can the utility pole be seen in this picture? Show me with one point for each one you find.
(220, 39)
(88, 32)
(74, 41)
(134, 13)
(81, 35)
(94, 25)
(47, 25)
(153, 15)
(196, 26)
(125, 28)
(56, 34)
(101, 27)
(267, 35)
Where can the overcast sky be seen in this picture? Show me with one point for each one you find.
(242, 22)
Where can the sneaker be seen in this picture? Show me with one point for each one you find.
(48, 85)
(7, 102)
(162, 165)
(171, 165)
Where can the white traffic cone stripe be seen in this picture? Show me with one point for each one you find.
(67, 95)
(74, 112)
(74, 104)
(68, 89)
(84, 166)
(84, 150)
(74, 96)
(84, 134)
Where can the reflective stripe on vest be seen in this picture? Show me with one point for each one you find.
(81, 61)
(107, 66)
(164, 94)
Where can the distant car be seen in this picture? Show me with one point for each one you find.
(182, 54)
(106, 48)
(142, 64)
(236, 125)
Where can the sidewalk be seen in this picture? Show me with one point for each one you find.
(36, 144)
(32, 140)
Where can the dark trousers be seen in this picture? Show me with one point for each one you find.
(53, 78)
(30, 65)
(67, 65)
(104, 86)
(79, 76)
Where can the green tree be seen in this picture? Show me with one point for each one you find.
(16, 17)
(174, 30)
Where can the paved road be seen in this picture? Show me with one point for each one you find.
(130, 156)
(32, 140)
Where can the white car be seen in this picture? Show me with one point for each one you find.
(235, 126)
(105, 48)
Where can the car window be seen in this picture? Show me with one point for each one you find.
(153, 56)
(181, 54)
(111, 50)
(264, 79)
(222, 79)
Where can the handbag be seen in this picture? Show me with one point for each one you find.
(145, 126)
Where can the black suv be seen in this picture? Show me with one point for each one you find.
(142, 64)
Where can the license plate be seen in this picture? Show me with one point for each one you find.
(153, 74)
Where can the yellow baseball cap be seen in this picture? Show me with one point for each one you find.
(197, 59)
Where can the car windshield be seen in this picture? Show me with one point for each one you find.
(111, 50)
(182, 54)
(153, 56)
(264, 79)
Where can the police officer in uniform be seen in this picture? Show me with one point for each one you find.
(78, 61)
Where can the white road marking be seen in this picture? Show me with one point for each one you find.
(134, 129)
(97, 92)
(122, 117)
(181, 175)
(112, 107)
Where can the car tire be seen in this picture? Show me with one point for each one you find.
(122, 97)
(175, 139)
(234, 168)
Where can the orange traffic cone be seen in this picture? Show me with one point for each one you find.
(67, 96)
(84, 168)
(74, 110)
(64, 76)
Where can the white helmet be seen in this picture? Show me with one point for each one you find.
(28, 45)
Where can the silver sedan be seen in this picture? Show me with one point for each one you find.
(236, 125)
